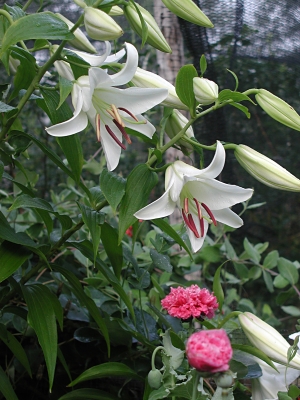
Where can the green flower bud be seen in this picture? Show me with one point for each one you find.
(154, 379)
(100, 26)
(115, 11)
(80, 42)
(206, 91)
(187, 9)
(266, 170)
(224, 380)
(175, 123)
(278, 109)
(155, 37)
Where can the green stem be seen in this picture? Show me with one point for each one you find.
(195, 387)
(7, 16)
(27, 5)
(233, 314)
(153, 356)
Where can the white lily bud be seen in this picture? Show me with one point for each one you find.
(146, 79)
(13, 64)
(155, 37)
(100, 26)
(115, 11)
(206, 91)
(267, 339)
(266, 170)
(80, 42)
(175, 123)
(187, 10)
(278, 109)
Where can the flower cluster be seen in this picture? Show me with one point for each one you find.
(209, 351)
(190, 302)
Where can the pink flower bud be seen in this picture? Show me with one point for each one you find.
(209, 351)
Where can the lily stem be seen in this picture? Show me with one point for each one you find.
(195, 387)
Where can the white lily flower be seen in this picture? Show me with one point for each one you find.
(271, 382)
(202, 199)
(109, 109)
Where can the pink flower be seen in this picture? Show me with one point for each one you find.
(209, 351)
(190, 302)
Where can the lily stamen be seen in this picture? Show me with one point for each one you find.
(115, 137)
(129, 113)
(98, 133)
(201, 221)
(209, 213)
(190, 223)
(122, 130)
(186, 205)
(117, 115)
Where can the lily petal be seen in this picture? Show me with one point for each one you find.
(228, 217)
(216, 166)
(146, 129)
(134, 99)
(197, 243)
(128, 71)
(111, 149)
(160, 208)
(217, 194)
(76, 124)
(93, 59)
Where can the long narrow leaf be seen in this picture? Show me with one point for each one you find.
(5, 387)
(41, 317)
(84, 299)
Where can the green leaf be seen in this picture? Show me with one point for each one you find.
(294, 391)
(280, 282)
(90, 394)
(165, 227)
(217, 287)
(291, 310)
(41, 317)
(84, 299)
(85, 248)
(228, 94)
(144, 26)
(5, 386)
(24, 201)
(161, 261)
(106, 370)
(92, 219)
(65, 88)
(26, 70)
(235, 78)
(139, 184)
(255, 352)
(78, 70)
(251, 251)
(244, 109)
(288, 270)
(109, 238)
(43, 25)
(4, 108)
(12, 257)
(283, 396)
(184, 86)
(271, 259)
(268, 281)
(16, 348)
(203, 65)
(1, 169)
(15, 12)
(113, 187)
